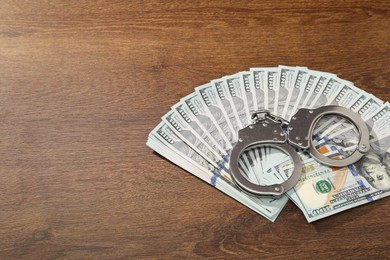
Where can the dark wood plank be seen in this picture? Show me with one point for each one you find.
(83, 83)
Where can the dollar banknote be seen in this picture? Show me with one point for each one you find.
(285, 82)
(238, 98)
(245, 78)
(200, 131)
(304, 93)
(257, 83)
(209, 100)
(295, 89)
(268, 211)
(323, 191)
(268, 207)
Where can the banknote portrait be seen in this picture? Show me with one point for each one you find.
(375, 168)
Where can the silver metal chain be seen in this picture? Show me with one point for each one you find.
(263, 115)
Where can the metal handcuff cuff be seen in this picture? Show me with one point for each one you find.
(271, 130)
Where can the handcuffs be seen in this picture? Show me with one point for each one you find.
(274, 131)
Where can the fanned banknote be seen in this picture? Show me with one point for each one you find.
(199, 132)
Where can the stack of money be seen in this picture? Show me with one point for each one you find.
(200, 130)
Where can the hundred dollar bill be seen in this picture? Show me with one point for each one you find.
(248, 100)
(365, 110)
(215, 111)
(237, 98)
(215, 98)
(259, 86)
(196, 107)
(271, 99)
(297, 85)
(264, 83)
(326, 92)
(192, 106)
(378, 123)
(267, 207)
(346, 95)
(285, 82)
(223, 98)
(199, 110)
(165, 134)
(204, 128)
(355, 104)
(256, 175)
(227, 94)
(257, 157)
(247, 170)
(304, 93)
(323, 191)
(277, 92)
(261, 177)
(264, 161)
(271, 104)
(197, 142)
(344, 134)
(381, 121)
(343, 142)
(338, 125)
(368, 107)
(316, 90)
(218, 183)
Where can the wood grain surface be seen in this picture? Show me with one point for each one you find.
(83, 83)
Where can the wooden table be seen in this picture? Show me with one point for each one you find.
(84, 82)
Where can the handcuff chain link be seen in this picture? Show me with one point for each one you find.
(263, 114)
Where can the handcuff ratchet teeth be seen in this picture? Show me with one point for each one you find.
(273, 131)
